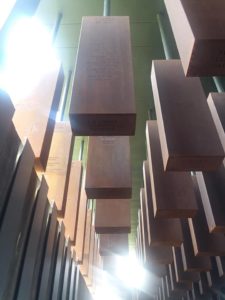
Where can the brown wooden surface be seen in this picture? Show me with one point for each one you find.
(188, 136)
(181, 275)
(35, 114)
(47, 272)
(10, 150)
(103, 94)
(165, 232)
(59, 163)
(216, 102)
(212, 189)
(158, 254)
(112, 216)
(80, 237)
(111, 244)
(108, 168)
(73, 200)
(176, 286)
(200, 37)
(191, 262)
(172, 192)
(86, 249)
(204, 242)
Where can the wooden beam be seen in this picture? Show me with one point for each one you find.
(188, 136)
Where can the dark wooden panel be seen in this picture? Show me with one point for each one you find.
(58, 274)
(160, 231)
(59, 163)
(47, 272)
(216, 102)
(190, 261)
(6, 113)
(10, 150)
(212, 189)
(16, 222)
(172, 192)
(113, 244)
(32, 262)
(158, 254)
(181, 275)
(204, 243)
(80, 237)
(188, 136)
(103, 94)
(200, 37)
(35, 114)
(108, 168)
(67, 272)
(220, 263)
(175, 286)
(73, 200)
(112, 216)
(86, 249)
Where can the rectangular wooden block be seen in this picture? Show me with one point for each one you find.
(108, 168)
(216, 102)
(172, 192)
(56, 287)
(165, 232)
(73, 200)
(103, 93)
(10, 151)
(191, 262)
(47, 272)
(112, 216)
(81, 226)
(212, 189)
(113, 244)
(84, 258)
(59, 163)
(204, 242)
(188, 136)
(28, 281)
(200, 37)
(158, 254)
(35, 114)
(177, 286)
(16, 222)
(181, 275)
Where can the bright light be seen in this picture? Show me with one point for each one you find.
(5, 9)
(29, 55)
(106, 290)
(130, 272)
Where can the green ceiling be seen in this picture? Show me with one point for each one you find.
(146, 45)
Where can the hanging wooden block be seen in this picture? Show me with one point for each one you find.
(35, 114)
(28, 282)
(212, 189)
(191, 262)
(175, 286)
(172, 192)
(111, 244)
(59, 163)
(16, 221)
(188, 136)
(108, 168)
(103, 93)
(47, 272)
(67, 270)
(56, 288)
(200, 37)
(216, 102)
(204, 242)
(112, 216)
(181, 275)
(165, 232)
(171, 292)
(80, 236)
(73, 200)
(86, 249)
(158, 254)
(10, 151)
